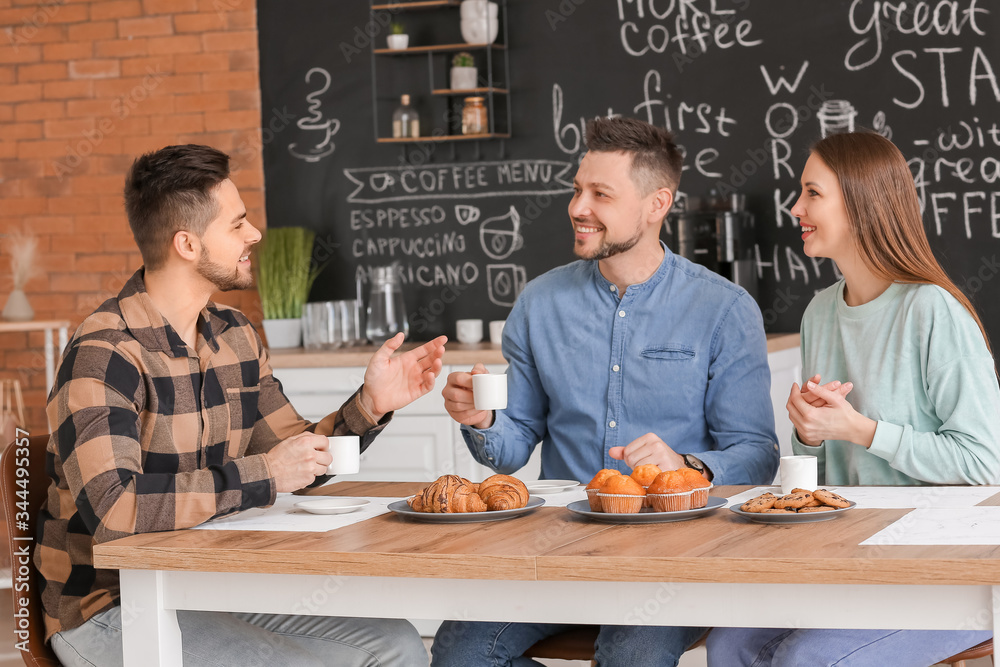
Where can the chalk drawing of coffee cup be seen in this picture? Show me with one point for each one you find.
(501, 236)
(504, 283)
(836, 116)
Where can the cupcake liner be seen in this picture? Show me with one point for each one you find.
(699, 496)
(620, 503)
(595, 502)
(671, 502)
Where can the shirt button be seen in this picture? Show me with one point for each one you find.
(616, 368)
(612, 423)
(614, 288)
(621, 313)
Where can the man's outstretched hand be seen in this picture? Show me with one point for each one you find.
(394, 382)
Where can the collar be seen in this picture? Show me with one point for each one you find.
(148, 326)
(649, 284)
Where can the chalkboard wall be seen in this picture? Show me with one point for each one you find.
(746, 85)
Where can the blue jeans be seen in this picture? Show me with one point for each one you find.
(221, 639)
(469, 644)
(776, 647)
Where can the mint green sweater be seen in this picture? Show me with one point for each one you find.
(921, 369)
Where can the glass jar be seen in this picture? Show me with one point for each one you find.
(474, 119)
(386, 310)
(405, 121)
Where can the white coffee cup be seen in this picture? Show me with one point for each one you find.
(496, 331)
(469, 331)
(346, 452)
(489, 392)
(798, 472)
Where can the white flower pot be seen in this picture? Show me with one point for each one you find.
(397, 42)
(283, 333)
(464, 78)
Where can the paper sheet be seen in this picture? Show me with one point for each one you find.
(283, 515)
(895, 497)
(971, 525)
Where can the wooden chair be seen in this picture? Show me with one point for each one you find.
(33, 487)
(977, 651)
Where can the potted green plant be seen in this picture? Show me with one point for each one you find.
(397, 38)
(285, 274)
(464, 75)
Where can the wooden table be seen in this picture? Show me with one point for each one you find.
(553, 566)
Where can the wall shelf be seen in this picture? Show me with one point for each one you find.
(437, 48)
(442, 137)
(421, 4)
(468, 91)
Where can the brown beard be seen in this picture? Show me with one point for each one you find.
(611, 249)
(215, 274)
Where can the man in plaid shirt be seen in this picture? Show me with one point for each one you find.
(165, 414)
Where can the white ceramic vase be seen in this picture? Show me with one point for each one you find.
(464, 78)
(17, 308)
(283, 333)
(397, 42)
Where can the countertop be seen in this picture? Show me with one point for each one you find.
(455, 354)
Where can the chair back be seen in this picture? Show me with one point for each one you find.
(23, 487)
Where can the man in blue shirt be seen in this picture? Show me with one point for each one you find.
(632, 355)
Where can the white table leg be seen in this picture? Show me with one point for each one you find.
(150, 634)
(49, 360)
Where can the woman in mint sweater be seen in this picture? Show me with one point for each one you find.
(919, 403)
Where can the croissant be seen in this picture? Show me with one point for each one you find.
(503, 492)
(450, 493)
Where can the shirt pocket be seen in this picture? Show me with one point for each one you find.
(242, 403)
(669, 353)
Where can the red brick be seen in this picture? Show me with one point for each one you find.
(189, 122)
(25, 34)
(143, 66)
(30, 111)
(21, 54)
(11, 169)
(74, 282)
(232, 120)
(115, 10)
(109, 145)
(244, 40)
(102, 262)
(240, 100)
(27, 150)
(201, 102)
(103, 223)
(45, 187)
(204, 22)
(146, 26)
(76, 243)
(8, 149)
(7, 73)
(202, 62)
(60, 90)
(136, 125)
(68, 51)
(119, 87)
(119, 242)
(84, 185)
(74, 205)
(89, 108)
(114, 204)
(230, 81)
(49, 224)
(10, 189)
(44, 72)
(242, 20)
(6, 113)
(175, 44)
(225, 5)
(94, 30)
(53, 303)
(122, 48)
(22, 131)
(14, 340)
(241, 61)
(21, 92)
(73, 128)
(170, 6)
(95, 69)
(24, 206)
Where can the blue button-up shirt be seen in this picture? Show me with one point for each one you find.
(682, 355)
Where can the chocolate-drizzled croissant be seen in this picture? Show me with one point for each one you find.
(448, 493)
(503, 492)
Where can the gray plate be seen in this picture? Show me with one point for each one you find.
(646, 514)
(808, 517)
(401, 508)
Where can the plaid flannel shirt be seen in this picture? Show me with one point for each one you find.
(150, 435)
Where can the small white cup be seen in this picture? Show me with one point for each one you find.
(346, 452)
(489, 392)
(469, 331)
(496, 331)
(798, 472)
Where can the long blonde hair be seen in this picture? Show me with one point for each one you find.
(884, 212)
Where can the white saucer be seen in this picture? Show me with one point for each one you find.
(332, 505)
(543, 486)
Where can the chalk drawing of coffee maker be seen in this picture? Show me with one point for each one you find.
(501, 236)
(835, 117)
(315, 123)
(504, 283)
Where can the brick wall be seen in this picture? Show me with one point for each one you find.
(85, 87)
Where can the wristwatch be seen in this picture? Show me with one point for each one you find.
(693, 462)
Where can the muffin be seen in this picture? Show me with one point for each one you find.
(670, 492)
(595, 486)
(645, 474)
(621, 495)
(699, 487)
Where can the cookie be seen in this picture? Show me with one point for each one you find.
(820, 508)
(796, 490)
(793, 501)
(830, 498)
(760, 503)
(777, 511)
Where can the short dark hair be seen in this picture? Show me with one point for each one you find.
(170, 190)
(656, 160)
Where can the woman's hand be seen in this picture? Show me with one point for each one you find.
(821, 412)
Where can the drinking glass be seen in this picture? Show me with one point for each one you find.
(386, 310)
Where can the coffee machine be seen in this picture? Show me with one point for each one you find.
(717, 233)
